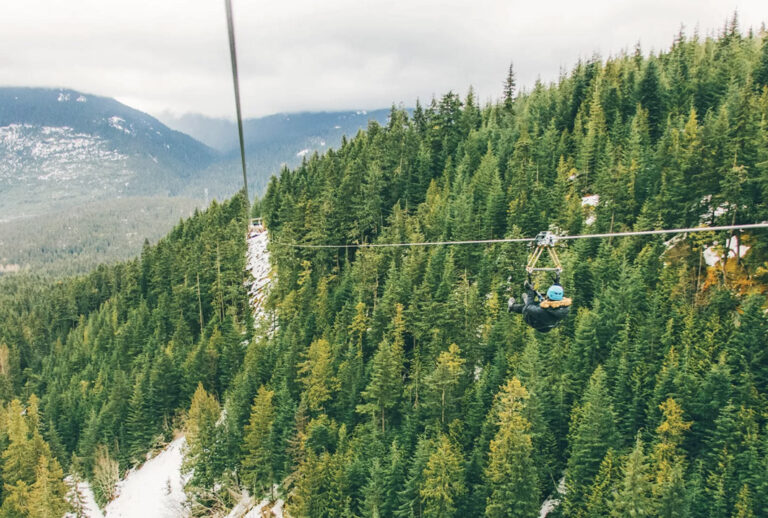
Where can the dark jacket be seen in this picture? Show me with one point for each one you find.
(544, 318)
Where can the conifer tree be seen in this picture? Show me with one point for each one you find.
(509, 88)
(592, 435)
(47, 496)
(256, 466)
(445, 377)
(375, 491)
(511, 470)
(386, 386)
(443, 480)
(317, 375)
(633, 497)
(200, 429)
(598, 503)
(743, 507)
(669, 463)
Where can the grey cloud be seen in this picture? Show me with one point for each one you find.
(309, 55)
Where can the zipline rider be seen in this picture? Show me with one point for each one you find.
(548, 311)
(545, 314)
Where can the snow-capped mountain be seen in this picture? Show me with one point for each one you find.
(60, 146)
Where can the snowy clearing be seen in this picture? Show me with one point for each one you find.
(257, 263)
(590, 201)
(156, 489)
(85, 497)
(712, 254)
(247, 508)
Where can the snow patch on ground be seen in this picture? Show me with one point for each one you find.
(712, 254)
(267, 509)
(257, 263)
(247, 508)
(553, 500)
(53, 153)
(589, 203)
(85, 496)
(119, 124)
(156, 489)
(711, 212)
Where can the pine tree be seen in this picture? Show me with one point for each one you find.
(256, 466)
(445, 377)
(386, 385)
(47, 496)
(19, 458)
(200, 429)
(633, 497)
(760, 74)
(669, 463)
(592, 435)
(509, 88)
(650, 94)
(317, 375)
(743, 507)
(411, 503)
(375, 492)
(443, 480)
(511, 470)
(598, 503)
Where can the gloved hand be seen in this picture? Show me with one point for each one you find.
(510, 303)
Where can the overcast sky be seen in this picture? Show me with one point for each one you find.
(158, 55)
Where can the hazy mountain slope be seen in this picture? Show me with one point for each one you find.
(85, 166)
(270, 143)
(308, 128)
(61, 147)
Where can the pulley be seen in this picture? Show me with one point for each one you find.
(544, 240)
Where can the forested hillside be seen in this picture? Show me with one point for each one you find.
(394, 382)
(397, 384)
(95, 370)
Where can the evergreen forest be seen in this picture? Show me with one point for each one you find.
(392, 382)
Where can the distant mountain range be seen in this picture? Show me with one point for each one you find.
(303, 131)
(270, 142)
(62, 147)
(62, 151)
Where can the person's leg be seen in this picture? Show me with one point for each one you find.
(514, 307)
(529, 297)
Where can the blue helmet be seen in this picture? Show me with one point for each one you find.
(555, 292)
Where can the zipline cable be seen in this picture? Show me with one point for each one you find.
(530, 239)
(236, 82)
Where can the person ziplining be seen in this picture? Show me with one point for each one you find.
(542, 312)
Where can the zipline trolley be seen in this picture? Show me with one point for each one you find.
(544, 240)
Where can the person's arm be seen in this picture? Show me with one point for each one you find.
(532, 291)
